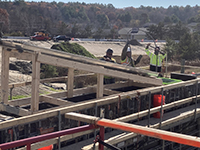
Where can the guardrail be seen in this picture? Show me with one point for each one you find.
(29, 141)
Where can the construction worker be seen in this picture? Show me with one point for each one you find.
(108, 57)
(126, 56)
(156, 58)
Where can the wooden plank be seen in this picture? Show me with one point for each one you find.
(15, 110)
(152, 110)
(54, 112)
(19, 84)
(100, 87)
(76, 58)
(108, 86)
(55, 79)
(82, 117)
(64, 78)
(4, 76)
(97, 69)
(156, 109)
(107, 91)
(35, 83)
(79, 106)
(89, 90)
(89, 104)
(55, 101)
(58, 94)
(186, 66)
(110, 92)
(24, 55)
(127, 83)
(26, 101)
(70, 82)
(20, 102)
(118, 85)
(85, 90)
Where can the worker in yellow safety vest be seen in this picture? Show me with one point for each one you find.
(108, 57)
(156, 58)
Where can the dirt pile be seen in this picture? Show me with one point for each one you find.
(73, 48)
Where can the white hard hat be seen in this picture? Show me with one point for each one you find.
(128, 49)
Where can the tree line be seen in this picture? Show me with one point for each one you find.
(180, 42)
(86, 20)
(92, 20)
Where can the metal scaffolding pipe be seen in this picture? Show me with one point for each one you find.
(44, 137)
(160, 134)
(155, 133)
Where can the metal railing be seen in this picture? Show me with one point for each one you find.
(31, 140)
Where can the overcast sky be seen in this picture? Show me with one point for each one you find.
(135, 3)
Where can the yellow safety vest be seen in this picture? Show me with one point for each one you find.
(126, 61)
(154, 58)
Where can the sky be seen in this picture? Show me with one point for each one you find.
(135, 3)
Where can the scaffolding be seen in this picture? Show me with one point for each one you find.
(129, 101)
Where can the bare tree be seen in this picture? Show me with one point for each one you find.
(4, 21)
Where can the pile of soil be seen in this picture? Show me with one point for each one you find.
(73, 48)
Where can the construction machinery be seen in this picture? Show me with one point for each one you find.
(40, 36)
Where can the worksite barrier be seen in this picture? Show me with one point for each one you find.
(157, 101)
(50, 147)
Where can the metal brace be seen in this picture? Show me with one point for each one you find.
(97, 139)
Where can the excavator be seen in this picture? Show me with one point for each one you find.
(40, 35)
(43, 33)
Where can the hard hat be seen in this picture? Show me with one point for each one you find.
(109, 50)
(128, 49)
